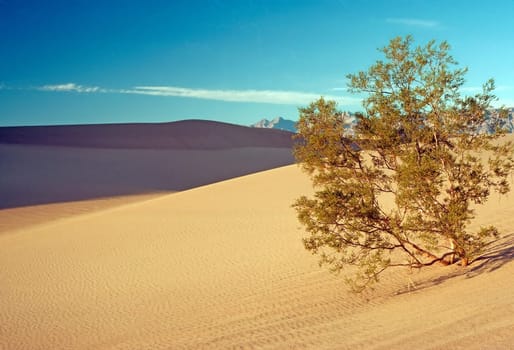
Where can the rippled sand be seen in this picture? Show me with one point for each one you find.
(223, 266)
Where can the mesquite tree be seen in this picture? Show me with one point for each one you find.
(398, 188)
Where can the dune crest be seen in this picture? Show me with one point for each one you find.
(184, 135)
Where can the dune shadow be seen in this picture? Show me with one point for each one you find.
(33, 175)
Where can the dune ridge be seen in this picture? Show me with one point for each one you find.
(223, 266)
(184, 134)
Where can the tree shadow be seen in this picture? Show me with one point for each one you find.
(498, 253)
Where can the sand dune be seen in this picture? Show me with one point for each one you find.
(222, 266)
(53, 164)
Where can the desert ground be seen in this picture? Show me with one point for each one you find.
(222, 266)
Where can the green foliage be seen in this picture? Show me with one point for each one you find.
(420, 146)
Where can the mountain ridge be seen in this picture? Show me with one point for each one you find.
(276, 123)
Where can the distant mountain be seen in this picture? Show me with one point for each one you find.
(277, 123)
(510, 119)
(486, 128)
(490, 127)
(350, 121)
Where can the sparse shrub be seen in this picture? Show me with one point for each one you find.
(398, 189)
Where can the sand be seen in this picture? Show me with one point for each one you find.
(13, 219)
(223, 266)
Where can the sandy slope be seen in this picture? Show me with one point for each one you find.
(222, 266)
(13, 219)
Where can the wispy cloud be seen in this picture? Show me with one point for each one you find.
(471, 89)
(503, 92)
(255, 96)
(70, 87)
(414, 22)
(504, 102)
(251, 96)
(477, 89)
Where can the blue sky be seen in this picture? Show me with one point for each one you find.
(88, 61)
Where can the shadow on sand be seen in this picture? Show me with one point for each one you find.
(32, 175)
(498, 254)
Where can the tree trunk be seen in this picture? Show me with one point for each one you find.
(452, 247)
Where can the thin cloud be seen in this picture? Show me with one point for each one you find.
(414, 22)
(252, 96)
(480, 88)
(504, 102)
(70, 87)
(471, 89)
(503, 88)
(255, 96)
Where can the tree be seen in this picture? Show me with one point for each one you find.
(399, 188)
